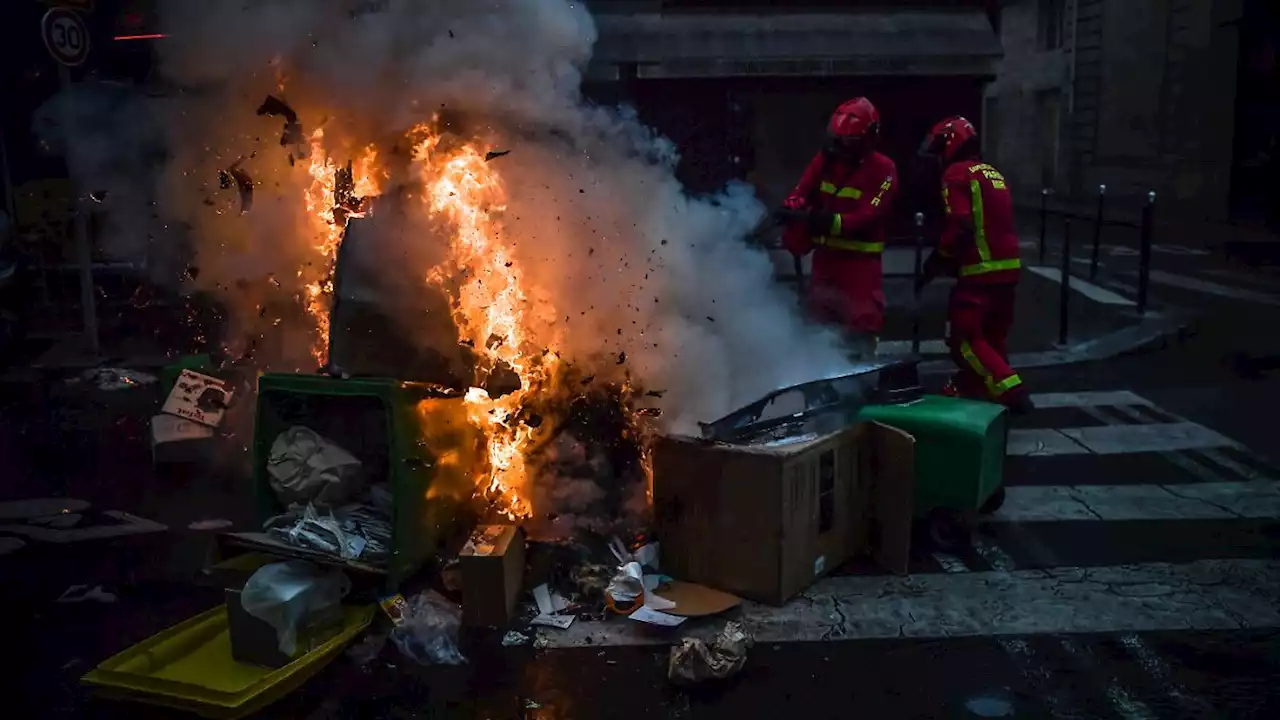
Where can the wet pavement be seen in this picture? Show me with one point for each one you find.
(1172, 612)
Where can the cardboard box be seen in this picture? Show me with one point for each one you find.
(255, 642)
(177, 440)
(766, 521)
(198, 397)
(492, 569)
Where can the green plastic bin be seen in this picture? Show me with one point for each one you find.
(415, 436)
(960, 450)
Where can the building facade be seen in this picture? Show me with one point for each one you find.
(1138, 95)
(745, 87)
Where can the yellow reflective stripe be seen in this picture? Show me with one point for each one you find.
(844, 192)
(1005, 385)
(990, 266)
(854, 245)
(836, 223)
(966, 351)
(979, 221)
(946, 199)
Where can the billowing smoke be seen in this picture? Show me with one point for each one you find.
(625, 269)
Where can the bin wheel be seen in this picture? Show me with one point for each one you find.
(993, 503)
(948, 529)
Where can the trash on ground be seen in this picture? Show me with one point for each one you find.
(127, 524)
(428, 631)
(198, 397)
(650, 616)
(217, 524)
(175, 439)
(549, 603)
(288, 595)
(114, 378)
(40, 507)
(491, 567)
(368, 648)
(307, 468)
(695, 660)
(694, 600)
(394, 606)
(626, 588)
(513, 638)
(85, 593)
(556, 621)
(61, 520)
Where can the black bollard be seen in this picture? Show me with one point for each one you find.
(1044, 219)
(915, 280)
(1064, 296)
(1097, 232)
(1144, 252)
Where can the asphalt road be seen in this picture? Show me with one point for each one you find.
(1131, 574)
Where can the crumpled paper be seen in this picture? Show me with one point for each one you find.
(694, 660)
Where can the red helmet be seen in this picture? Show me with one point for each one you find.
(856, 119)
(949, 137)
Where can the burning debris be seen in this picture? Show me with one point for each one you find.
(292, 135)
(494, 154)
(234, 176)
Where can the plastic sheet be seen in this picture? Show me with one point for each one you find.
(428, 630)
(282, 594)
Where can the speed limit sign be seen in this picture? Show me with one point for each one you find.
(65, 35)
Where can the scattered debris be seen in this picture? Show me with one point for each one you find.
(428, 630)
(308, 468)
(40, 507)
(292, 133)
(234, 175)
(532, 704)
(84, 593)
(693, 600)
(513, 638)
(622, 358)
(61, 520)
(368, 649)
(114, 378)
(494, 154)
(695, 660)
(199, 398)
(625, 589)
(209, 524)
(654, 616)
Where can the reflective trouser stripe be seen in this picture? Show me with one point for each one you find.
(996, 388)
(988, 266)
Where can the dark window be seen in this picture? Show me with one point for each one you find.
(826, 490)
(1051, 21)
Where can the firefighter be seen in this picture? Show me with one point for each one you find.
(838, 210)
(980, 247)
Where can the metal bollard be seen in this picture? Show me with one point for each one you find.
(915, 279)
(1144, 252)
(1064, 292)
(1044, 219)
(1097, 232)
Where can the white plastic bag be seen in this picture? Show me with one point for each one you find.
(307, 468)
(428, 630)
(283, 593)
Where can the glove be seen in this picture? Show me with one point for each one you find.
(934, 265)
(793, 202)
(819, 222)
(784, 215)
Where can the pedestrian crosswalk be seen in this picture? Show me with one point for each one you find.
(1125, 519)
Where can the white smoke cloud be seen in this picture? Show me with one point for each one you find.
(619, 259)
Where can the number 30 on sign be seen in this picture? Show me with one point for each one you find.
(65, 35)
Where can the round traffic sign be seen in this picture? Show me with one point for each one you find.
(65, 35)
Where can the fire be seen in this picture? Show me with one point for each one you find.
(331, 200)
(489, 306)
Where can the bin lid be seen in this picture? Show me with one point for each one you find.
(816, 406)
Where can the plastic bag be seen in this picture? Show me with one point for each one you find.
(695, 660)
(428, 630)
(282, 594)
(307, 468)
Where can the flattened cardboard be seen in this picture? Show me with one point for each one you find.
(766, 521)
(694, 600)
(199, 398)
(492, 569)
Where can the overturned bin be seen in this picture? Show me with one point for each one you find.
(414, 445)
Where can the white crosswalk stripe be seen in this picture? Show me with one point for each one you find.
(1013, 585)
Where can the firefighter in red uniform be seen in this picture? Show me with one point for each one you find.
(979, 246)
(838, 210)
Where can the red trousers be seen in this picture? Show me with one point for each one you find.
(846, 289)
(980, 317)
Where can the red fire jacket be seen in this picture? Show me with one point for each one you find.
(979, 237)
(859, 195)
